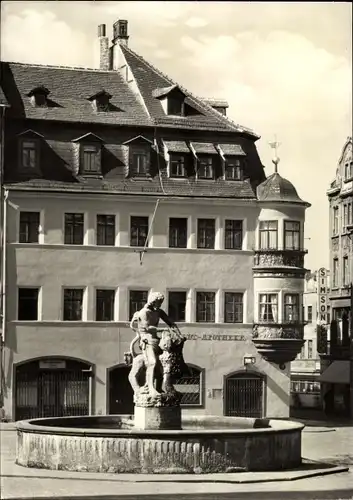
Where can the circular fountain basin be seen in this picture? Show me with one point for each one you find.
(205, 444)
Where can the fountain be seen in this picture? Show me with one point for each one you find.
(158, 438)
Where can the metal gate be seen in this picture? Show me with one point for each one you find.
(52, 389)
(244, 395)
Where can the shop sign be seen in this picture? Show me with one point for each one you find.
(52, 364)
(215, 337)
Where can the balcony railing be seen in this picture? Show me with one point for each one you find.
(279, 257)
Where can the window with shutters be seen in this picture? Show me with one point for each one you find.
(139, 160)
(90, 159)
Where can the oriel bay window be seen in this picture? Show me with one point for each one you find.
(205, 168)
(138, 231)
(233, 307)
(105, 305)
(29, 227)
(177, 165)
(291, 235)
(291, 307)
(268, 235)
(74, 229)
(268, 308)
(137, 300)
(177, 306)
(206, 232)
(178, 232)
(106, 230)
(233, 235)
(205, 307)
(73, 302)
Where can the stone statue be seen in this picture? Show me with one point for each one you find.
(154, 371)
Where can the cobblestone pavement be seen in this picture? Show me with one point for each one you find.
(324, 444)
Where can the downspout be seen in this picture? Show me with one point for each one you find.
(3, 232)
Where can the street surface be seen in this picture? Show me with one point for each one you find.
(332, 444)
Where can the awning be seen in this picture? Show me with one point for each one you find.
(336, 373)
(232, 149)
(204, 148)
(177, 146)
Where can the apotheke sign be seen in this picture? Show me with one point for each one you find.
(211, 336)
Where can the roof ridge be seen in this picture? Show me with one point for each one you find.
(221, 118)
(56, 66)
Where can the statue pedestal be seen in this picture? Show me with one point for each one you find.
(157, 417)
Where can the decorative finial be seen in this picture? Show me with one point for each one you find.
(275, 145)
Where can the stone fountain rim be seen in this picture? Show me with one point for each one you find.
(276, 427)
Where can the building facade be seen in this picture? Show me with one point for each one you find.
(306, 368)
(335, 354)
(120, 183)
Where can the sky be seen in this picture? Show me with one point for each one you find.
(284, 67)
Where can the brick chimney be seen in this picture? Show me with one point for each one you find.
(120, 32)
(104, 53)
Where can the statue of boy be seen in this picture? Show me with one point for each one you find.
(147, 331)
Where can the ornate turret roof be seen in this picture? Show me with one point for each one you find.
(277, 189)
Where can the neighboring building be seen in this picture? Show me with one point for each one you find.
(335, 354)
(306, 368)
(101, 165)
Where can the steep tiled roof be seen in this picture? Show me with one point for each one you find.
(70, 90)
(276, 188)
(149, 79)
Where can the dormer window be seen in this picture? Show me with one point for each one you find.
(29, 150)
(177, 165)
(90, 159)
(175, 106)
(88, 151)
(29, 154)
(100, 101)
(206, 168)
(38, 96)
(139, 160)
(233, 169)
(172, 99)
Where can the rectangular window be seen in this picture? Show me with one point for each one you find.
(176, 306)
(28, 304)
(345, 218)
(105, 305)
(268, 235)
(310, 349)
(233, 170)
(291, 307)
(268, 308)
(205, 307)
(177, 165)
(29, 154)
(74, 227)
(29, 227)
(90, 158)
(175, 106)
(139, 161)
(106, 230)
(205, 168)
(346, 274)
(178, 232)
(350, 214)
(138, 299)
(348, 171)
(310, 314)
(233, 307)
(328, 315)
(73, 301)
(138, 231)
(206, 232)
(291, 235)
(335, 226)
(233, 234)
(335, 278)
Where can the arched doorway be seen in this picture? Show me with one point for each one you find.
(52, 387)
(244, 395)
(120, 393)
